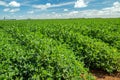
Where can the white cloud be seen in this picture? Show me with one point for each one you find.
(49, 5)
(80, 4)
(65, 9)
(62, 4)
(14, 4)
(53, 12)
(11, 10)
(73, 13)
(116, 4)
(30, 12)
(6, 9)
(108, 12)
(11, 4)
(2, 3)
(14, 10)
(114, 8)
(21, 16)
(77, 4)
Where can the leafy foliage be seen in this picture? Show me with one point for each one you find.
(58, 49)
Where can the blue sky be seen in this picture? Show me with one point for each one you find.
(42, 9)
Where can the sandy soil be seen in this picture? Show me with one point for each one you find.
(100, 75)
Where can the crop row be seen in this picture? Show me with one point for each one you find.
(94, 53)
(29, 55)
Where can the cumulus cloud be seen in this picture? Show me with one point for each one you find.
(114, 8)
(3, 3)
(49, 5)
(14, 4)
(113, 11)
(108, 12)
(6, 9)
(116, 4)
(62, 4)
(11, 10)
(10, 4)
(73, 13)
(105, 12)
(14, 10)
(9, 7)
(80, 4)
(77, 4)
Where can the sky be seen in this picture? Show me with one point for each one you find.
(47, 9)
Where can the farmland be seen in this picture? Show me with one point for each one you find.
(58, 49)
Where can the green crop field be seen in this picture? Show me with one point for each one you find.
(58, 49)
